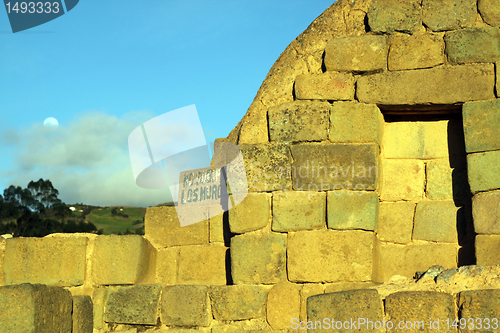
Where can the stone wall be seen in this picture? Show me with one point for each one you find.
(371, 151)
(436, 181)
(242, 294)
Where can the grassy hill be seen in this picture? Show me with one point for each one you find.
(118, 224)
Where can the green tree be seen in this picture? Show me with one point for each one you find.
(20, 197)
(33, 209)
(44, 193)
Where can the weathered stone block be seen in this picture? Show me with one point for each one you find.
(416, 307)
(487, 250)
(481, 123)
(253, 213)
(128, 260)
(396, 221)
(299, 121)
(356, 305)
(473, 45)
(258, 258)
(49, 260)
(202, 264)
(486, 212)
(163, 229)
(490, 11)
(438, 221)
(356, 210)
(416, 51)
(340, 167)
(283, 304)
(475, 304)
(267, 166)
(419, 139)
(28, 308)
(442, 15)
(186, 306)
(353, 122)
(238, 302)
(326, 86)
(254, 129)
(133, 304)
(402, 180)
(394, 15)
(166, 265)
(307, 290)
(99, 299)
(356, 53)
(484, 171)
(445, 85)
(83, 315)
(405, 260)
(298, 210)
(443, 182)
(349, 255)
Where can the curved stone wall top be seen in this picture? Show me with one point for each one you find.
(304, 55)
(390, 23)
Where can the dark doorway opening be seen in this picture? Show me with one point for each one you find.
(457, 157)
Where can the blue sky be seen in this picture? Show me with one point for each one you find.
(106, 67)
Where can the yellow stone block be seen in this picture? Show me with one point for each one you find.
(166, 266)
(163, 229)
(202, 264)
(402, 180)
(50, 260)
(83, 316)
(406, 260)
(416, 51)
(309, 289)
(488, 250)
(126, 259)
(253, 213)
(353, 122)
(283, 304)
(439, 180)
(298, 210)
(349, 255)
(416, 139)
(98, 299)
(35, 308)
(396, 221)
(440, 85)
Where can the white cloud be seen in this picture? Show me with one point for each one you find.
(87, 160)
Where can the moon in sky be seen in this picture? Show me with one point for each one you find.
(50, 122)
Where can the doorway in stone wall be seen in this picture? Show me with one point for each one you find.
(424, 178)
